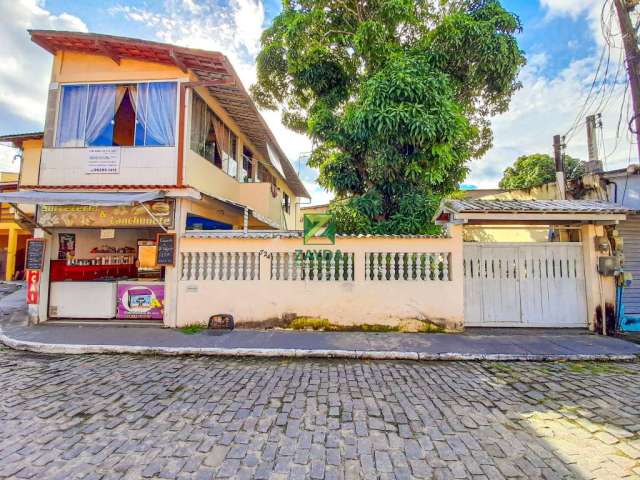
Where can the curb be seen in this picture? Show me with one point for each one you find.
(71, 349)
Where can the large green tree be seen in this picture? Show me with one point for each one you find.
(538, 168)
(396, 95)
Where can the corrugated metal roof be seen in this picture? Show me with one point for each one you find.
(533, 206)
(19, 138)
(254, 234)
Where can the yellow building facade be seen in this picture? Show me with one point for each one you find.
(13, 233)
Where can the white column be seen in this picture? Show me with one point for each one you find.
(172, 274)
(39, 313)
(239, 146)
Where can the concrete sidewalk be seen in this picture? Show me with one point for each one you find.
(473, 345)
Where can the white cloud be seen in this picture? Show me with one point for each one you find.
(25, 67)
(235, 31)
(548, 106)
(569, 7)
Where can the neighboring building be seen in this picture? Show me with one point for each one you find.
(140, 138)
(534, 282)
(13, 233)
(623, 188)
(307, 209)
(620, 187)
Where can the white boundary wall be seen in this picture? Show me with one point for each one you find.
(376, 280)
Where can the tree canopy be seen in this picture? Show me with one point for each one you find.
(538, 168)
(396, 95)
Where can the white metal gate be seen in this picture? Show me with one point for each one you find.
(524, 284)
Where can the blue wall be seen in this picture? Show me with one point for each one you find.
(628, 194)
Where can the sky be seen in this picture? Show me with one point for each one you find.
(563, 41)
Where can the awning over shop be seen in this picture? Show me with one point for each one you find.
(79, 198)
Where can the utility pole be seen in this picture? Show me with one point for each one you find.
(632, 57)
(594, 164)
(557, 153)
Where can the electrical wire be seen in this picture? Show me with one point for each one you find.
(620, 116)
(580, 115)
(604, 86)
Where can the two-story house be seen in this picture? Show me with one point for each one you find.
(140, 139)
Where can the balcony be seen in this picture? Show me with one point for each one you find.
(129, 166)
(204, 176)
(6, 213)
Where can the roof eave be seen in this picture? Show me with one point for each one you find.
(524, 217)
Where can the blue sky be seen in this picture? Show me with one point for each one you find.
(561, 39)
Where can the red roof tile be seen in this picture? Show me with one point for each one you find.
(102, 187)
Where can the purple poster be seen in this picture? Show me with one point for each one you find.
(140, 300)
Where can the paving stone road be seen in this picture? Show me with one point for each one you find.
(113, 417)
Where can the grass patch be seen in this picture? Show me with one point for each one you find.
(192, 329)
(310, 323)
(429, 327)
(367, 327)
(322, 324)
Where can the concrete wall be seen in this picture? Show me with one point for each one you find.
(355, 301)
(138, 166)
(30, 166)
(628, 191)
(600, 291)
(206, 177)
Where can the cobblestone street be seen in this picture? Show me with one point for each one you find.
(112, 417)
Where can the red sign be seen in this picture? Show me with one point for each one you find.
(33, 285)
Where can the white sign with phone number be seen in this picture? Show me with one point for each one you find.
(103, 160)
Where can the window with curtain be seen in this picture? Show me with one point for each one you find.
(142, 114)
(246, 174)
(264, 175)
(211, 138)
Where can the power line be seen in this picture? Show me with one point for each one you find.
(580, 115)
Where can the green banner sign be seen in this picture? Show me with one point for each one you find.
(319, 229)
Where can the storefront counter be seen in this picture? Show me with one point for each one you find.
(82, 300)
(61, 271)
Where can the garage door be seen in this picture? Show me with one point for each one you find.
(630, 232)
(524, 285)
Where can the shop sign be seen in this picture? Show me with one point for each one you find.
(140, 301)
(34, 258)
(103, 160)
(166, 249)
(319, 229)
(124, 216)
(33, 286)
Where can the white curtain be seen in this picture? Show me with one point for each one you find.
(100, 112)
(73, 112)
(159, 113)
(199, 127)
